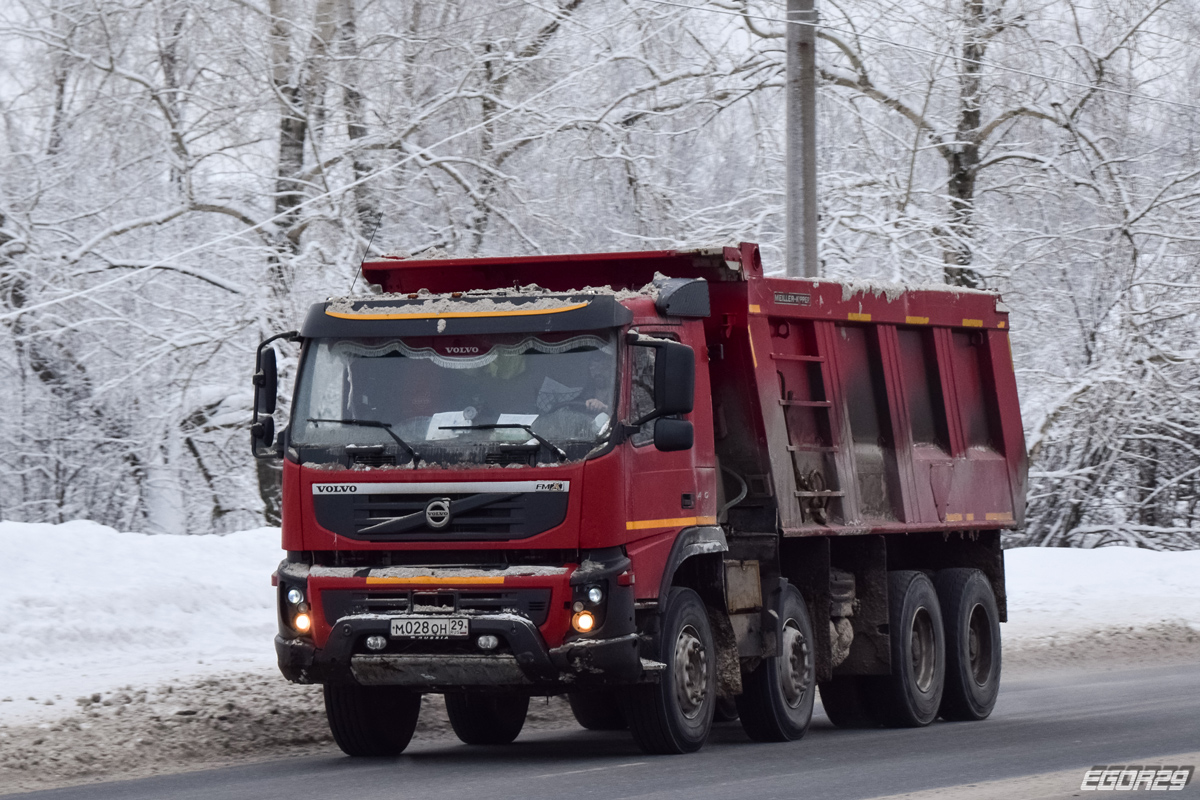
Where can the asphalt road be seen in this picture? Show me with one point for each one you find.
(1041, 724)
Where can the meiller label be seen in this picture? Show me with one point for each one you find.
(466, 487)
(792, 298)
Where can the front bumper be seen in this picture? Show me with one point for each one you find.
(523, 661)
(608, 655)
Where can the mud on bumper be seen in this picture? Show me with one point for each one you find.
(525, 661)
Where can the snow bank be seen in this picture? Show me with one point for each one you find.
(86, 608)
(1056, 591)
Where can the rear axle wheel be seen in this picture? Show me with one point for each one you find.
(911, 695)
(972, 622)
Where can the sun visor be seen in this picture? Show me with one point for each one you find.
(463, 316)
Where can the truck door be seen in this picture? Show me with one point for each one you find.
(666, 492)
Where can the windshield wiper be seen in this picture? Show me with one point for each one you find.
(374, 423)
(558, 451)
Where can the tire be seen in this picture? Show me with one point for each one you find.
(486, 718)
(847, 702)
(776, 703)
(911, 695)
(726, 710)
(597, 711)
(972, 622)
(675, 715)
(371, 721)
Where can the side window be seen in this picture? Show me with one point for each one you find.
(642, 399)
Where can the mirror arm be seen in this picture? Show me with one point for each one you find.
(637, 423)
(291, 336)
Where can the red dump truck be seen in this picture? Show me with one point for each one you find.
(693, 492)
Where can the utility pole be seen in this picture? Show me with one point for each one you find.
(802, 140)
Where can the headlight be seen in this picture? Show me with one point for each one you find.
(295, 596)
(595, 595)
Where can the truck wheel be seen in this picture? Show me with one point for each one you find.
(726, 710)
(371, 721)
(486, 718)
(911, 695)
(675, 715)
(847, 702)
(597, 711)
(972, 623)
(776, 703)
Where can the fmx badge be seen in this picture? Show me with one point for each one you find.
(1136, 778)
(792, 298)
(552, 486)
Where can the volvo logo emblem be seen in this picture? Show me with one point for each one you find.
(437, 512)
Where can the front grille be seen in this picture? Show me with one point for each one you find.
(497, 516)
(402, 516)
(531, 603)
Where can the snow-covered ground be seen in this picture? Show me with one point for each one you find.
(85, 608)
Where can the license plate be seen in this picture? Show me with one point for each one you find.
(429, 628)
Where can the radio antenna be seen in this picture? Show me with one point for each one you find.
(378, 222)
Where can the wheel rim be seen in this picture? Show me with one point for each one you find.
(923, 650)
(691, 672)
(979, 645)
(795, 665)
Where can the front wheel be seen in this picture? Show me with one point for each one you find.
(597, 711)
(776, 703)
(675, 715)
(485, 718)
(972, 622)
(371, 721)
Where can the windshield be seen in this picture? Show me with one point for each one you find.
(440, 394)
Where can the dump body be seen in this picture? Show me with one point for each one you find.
(902, 401)
(499, 448)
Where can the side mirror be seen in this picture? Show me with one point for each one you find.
(674, 379)
(266, 382)
(673, 434)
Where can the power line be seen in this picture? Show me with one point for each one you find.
(916, 49)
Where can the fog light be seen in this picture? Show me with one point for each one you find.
(595, 595)
(302, 623)
(295, 596)
(488, 642)
(584, 621)
(376, 642)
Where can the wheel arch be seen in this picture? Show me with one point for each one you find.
(697, 563)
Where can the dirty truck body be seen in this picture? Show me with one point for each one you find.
(670, 499)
